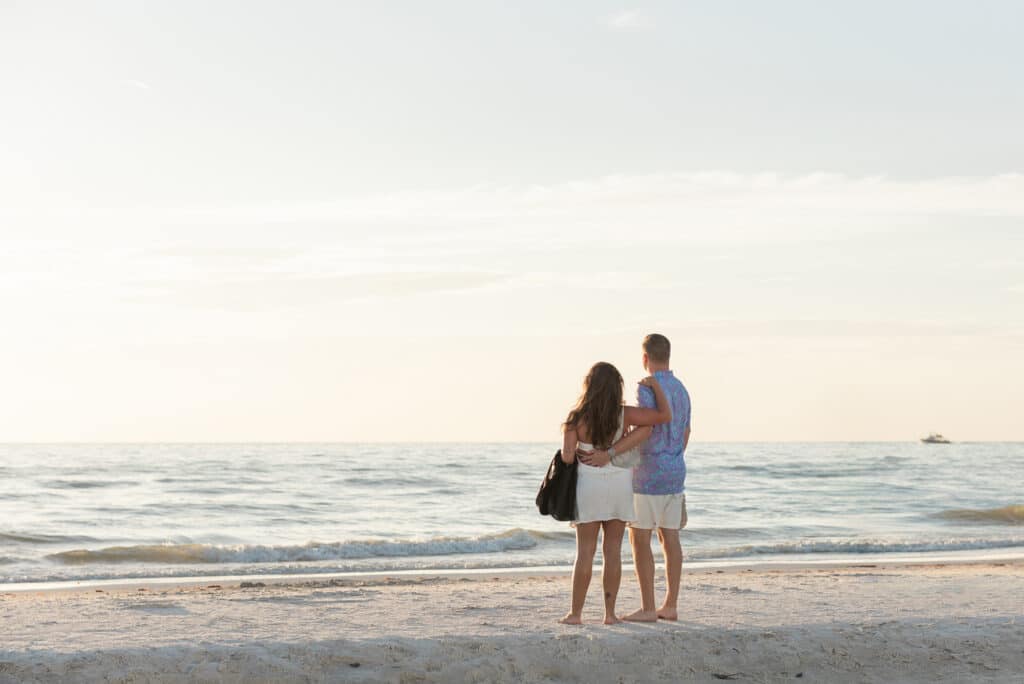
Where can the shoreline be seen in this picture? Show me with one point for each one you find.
(855, 622)
(974, 557)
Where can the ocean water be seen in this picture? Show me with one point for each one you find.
(107, 511)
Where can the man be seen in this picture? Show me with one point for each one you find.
(658, 486)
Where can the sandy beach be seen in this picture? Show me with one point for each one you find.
(853, 623)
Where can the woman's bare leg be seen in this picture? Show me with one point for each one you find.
(586, 547)
(611, 570)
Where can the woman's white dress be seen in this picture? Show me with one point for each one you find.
(604, 493)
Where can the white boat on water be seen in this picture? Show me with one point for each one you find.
(935, 438)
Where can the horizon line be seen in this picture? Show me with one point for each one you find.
(448, 442)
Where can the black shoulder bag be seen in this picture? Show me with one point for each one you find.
(557, 494)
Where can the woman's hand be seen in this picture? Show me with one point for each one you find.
(662, 413)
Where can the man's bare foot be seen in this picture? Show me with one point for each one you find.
(611, 620)
(642, 616)
(571, 619)
(666, 613)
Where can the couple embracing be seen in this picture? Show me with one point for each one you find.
(631, 473)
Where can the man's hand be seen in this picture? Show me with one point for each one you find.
(598, 458)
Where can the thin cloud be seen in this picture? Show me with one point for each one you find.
(305, 293)
(141, 85)
(839, 329)
(703, 206)
(628, 20)
(223, 253)
(721, 198)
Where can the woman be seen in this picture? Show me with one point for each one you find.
(604, 495)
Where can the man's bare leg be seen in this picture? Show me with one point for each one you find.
(611, 571)
(673, 552)
(643, 559)
(586, 547)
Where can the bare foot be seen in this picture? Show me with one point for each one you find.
(642, 616)
(571, 619)
(611, 620)
(666, 613)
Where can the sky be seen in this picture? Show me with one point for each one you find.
(406, 221)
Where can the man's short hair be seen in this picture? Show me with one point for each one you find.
(657, 348)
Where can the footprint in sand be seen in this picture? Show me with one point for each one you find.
(157, 607)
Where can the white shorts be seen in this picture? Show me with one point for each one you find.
(667, 511)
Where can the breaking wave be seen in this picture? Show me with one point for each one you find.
(510, 540)
(1011, 515)
(860, 546)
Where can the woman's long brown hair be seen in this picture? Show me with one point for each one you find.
(599, 405)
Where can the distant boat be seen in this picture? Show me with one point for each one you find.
(935, 438)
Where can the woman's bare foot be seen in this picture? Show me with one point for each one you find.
(666, 613)
(611, 620)
(571, 619)
(642, 616)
